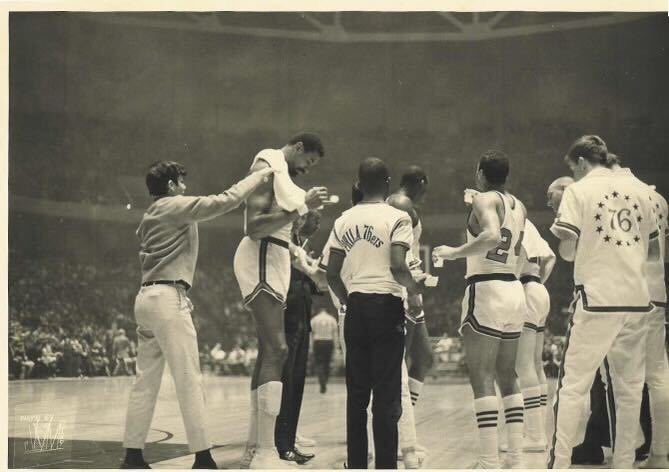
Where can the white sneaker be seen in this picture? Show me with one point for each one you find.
(411, 460)
(515, 461)
(503, 446)
(486, 464)
(420, 449)
(655, 462)
(304, 442)
(534, 445)
(269, 459)
(246, 459)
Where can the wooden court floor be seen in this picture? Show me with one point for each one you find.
(78, 424)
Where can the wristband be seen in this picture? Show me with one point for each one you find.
(303, 210)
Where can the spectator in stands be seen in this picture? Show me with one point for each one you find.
(122, 354)
(236, 360)
(218, 356)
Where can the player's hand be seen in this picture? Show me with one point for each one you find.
(265, 172)
(443, 252)
(316, 197)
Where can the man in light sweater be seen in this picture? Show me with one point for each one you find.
(168, 235)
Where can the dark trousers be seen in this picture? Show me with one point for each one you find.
(374, 336)
(323, 357)
(597, 432)
(294, 374)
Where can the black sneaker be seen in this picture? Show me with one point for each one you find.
(587, 455)
(127, 465)
(209, 465)
(292, 456)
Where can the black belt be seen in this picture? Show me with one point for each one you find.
(485, 277)
(529, 278)
(183, 283)
(277, 241)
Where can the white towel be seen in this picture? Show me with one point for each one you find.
(288, 196)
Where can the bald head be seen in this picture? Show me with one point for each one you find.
(555, 191)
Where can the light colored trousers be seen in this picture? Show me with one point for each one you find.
(621, 338)
(165, 332)
(657, 378)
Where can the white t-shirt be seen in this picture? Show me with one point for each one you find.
(654, 269)
(613, 221)
(504, 258)
(534, 247)
(365, 234)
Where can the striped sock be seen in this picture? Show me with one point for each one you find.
(486, 419)
(545, 411)
(513, 413)
(533, 419)
(415, 387)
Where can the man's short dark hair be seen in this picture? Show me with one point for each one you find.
(373, 176)
(159, 175)
(495, 166)
(310, 141)
(412, 176)
(590, 147)
(613, 160)
(356, 194)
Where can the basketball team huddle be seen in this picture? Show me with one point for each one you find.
(610, 224)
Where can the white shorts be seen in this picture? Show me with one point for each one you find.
(262, 266)
(494, 305)
(538, 304)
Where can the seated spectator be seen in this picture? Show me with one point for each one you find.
(123, 354)
(237, 360)
(218, 356)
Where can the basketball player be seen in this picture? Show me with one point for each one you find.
(262, 269)
(409, 197)
(407, 423)
(657, 368)
(606, 226)
(536, 263)
(493, 308)
(168, 235)
(373, 238)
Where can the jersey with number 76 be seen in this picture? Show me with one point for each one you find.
(502, 259)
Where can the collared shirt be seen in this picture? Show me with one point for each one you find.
(324, 327)
(168, 232)
(613, 221)
(654, 269)
(365, 234)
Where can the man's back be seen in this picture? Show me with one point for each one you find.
(613, 221)
(366, 233)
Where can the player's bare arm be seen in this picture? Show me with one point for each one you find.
(484, 209)
(262, 221)
(546, 265)
(333, 274)
(404, 203)
(401, 272)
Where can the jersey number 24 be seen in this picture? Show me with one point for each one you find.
(501, 252)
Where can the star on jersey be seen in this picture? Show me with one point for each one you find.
(616, 219)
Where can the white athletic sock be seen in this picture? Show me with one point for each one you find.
(269, 405)
(415, 387)
(544, 408)
(486, 418)
(659, 414)
(513, 413)
(252, 440)
(533, 420)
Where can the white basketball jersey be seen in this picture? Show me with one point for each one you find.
(273, 157)
(504, 258)
(413, 256)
